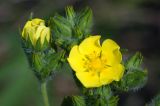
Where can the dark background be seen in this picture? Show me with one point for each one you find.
(134, 24)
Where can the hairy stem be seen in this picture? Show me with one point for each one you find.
(44, 93)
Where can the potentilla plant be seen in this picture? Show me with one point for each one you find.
(44, 60)
(98, 68)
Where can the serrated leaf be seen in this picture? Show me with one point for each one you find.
(72, 29)
(63, 21)
(101, 96)
(136, 80)
(103, 91)
(70, 15)
(84, 21)
(155, 101)
(135, 76)
(61, 26)
(113, 101)
(134, 62)
(77, 32)
(74, 101)
(133, 80)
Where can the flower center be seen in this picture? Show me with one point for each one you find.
(95, 64)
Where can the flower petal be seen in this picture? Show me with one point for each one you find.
(76, 60)
(90, 45)
(31, 33)
(111, 52)
(88, 79)
(38, 21)
(39, 33)
(24, 32)
(118, 71)
(106, 76)
(48, 34)
(45, 34)
(111, 73)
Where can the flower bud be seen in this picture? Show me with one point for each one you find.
(36, 33)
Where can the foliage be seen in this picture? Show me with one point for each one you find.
(135, 76)
(155, 101)
(70, 30)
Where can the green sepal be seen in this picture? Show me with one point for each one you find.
(45, 63)
(37, 61)
(73, 101)
(101, 96)
(26, 43)
(38, 45)
(98, 92)
(113, 101)
(52, 64)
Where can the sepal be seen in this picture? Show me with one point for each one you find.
(44, 63)
(74, 101)
(70, 30)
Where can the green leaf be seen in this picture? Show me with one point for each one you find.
(132, 81)
(134, 62)
(135, 76)
(61, 26)
(70, 15)
(84, 21)
(113, 101)
(74, 101)
(53, 60)
(104, 91)
(101, 96)
(155, 101)
(136, 80)
(72, 29)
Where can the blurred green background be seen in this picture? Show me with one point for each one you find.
(134, 24)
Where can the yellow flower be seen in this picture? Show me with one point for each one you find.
(96, 65)
(36, 30)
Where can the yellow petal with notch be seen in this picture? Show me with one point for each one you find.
(90, 45)
(76, 60)
(110, 51)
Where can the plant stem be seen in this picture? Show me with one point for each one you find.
(44, 93)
